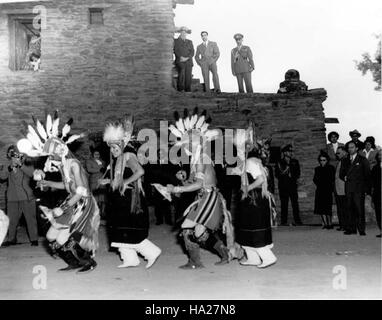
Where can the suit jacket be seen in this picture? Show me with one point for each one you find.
(332, 155)
(207, 54)
(287, 174)
(356, 175)
(183, 48)
(371, 158)
(242, 60)
(18, 183)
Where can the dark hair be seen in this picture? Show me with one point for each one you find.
(341, 147)
(371, 140)
(323, 154)
(33, 55)
(203, 32)
(348, 143)
(333, 133)
(11, 147)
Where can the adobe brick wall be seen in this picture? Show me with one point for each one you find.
(94, 72)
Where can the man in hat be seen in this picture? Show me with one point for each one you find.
(355, 171)
(207, 53)
(242, 64)
(331, 147)
(288, 172)
(355, 134)
(184, 51)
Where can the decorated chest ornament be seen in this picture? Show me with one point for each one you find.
(47, 141)
(193, 130)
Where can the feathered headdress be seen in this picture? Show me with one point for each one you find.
(43, 141)
(119, 131)
(192, 126)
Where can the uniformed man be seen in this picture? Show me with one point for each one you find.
(242, 64)
(184, 51)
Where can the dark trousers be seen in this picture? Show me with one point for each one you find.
(355, 217)
(377, 207)
(162, 209)
(184, 75)
(246, 77)
(341, 209)
(206, 68)
(15, 209)
(285, 194)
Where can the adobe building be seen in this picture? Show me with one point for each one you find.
(107, 58)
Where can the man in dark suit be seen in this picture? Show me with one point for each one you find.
(207, 53)
(184, 51)
(355, 171)
(288, 172)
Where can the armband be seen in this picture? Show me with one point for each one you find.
(177, 190)
(82, 191)
(199, 175)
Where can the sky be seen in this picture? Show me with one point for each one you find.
(319, 38)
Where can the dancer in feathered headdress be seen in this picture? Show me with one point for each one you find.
(208, 213)
(128, 213)
(74, 231)
(256, 207)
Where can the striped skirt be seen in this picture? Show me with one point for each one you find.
(83, 217)
(207, 210)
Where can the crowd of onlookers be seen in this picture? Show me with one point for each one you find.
(350, 172)
(347, 174)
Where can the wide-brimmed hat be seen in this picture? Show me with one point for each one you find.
(183, 28)
(354, 132)
(238, 36)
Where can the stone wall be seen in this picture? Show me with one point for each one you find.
(93, 72)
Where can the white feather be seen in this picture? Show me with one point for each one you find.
(35, 143)
(200, 122)
(33, 132)
(187, 123)
(193, 121)
(204, 127)
(180, 125)
(65, 130)
(55, 125)
(49, 125)
(175, 131)
(41, 130)
(74, 137)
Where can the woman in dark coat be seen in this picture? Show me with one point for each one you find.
(376, 189)
(324, 176)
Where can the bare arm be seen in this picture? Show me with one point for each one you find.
(257, 183)
(194, 186)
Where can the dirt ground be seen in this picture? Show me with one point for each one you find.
(310, 262)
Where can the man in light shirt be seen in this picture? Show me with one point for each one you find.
(339, 190)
